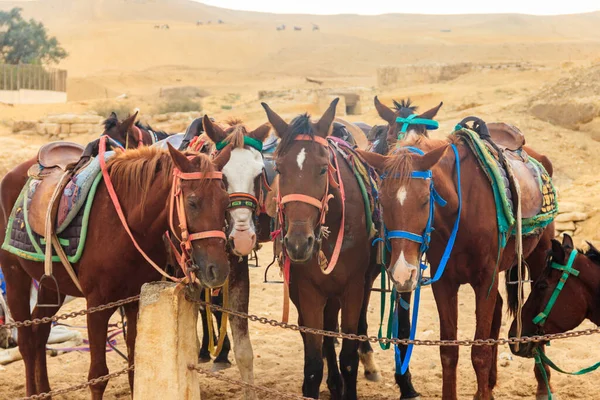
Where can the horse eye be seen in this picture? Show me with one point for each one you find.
(192, 203)
(542, 285)
(323, 171)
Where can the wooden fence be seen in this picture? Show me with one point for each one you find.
(32, 77)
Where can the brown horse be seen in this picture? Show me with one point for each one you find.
(405, 109)
(575, 302)
(313, 215)
(111, 268)
(475, 257)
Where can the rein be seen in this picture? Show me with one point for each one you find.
(322, 206)
(424, 239)
(176, 205)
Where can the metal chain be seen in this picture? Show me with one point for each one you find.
(80, 386)
(418, 342)
(55, 318)
(221, 377)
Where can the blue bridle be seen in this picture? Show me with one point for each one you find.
(424, 240)
(414, 120)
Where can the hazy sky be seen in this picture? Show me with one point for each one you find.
(540, 7)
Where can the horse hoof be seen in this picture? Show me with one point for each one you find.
(545, 397)
(372, 376)
(203, 359)
(220, 366)
(411, 398)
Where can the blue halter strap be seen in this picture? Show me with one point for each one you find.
(414, 120)
(424, 240)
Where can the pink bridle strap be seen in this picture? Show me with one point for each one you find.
(139, 135)
(191, 176)
(302, 199)
(308, 138)
(207, 235)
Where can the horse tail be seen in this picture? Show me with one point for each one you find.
(512, 291)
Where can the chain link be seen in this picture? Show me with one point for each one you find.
(56, 318)
(80, 386)
(417, 342)
(221, 377)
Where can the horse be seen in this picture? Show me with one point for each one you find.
(247, 223)
(316, 235)
(404, 109)
(555, 307)
(142, 180)
(147, 130)
(408, 196)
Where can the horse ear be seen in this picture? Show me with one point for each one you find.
(567, 242)
(385, 112)
(127, 123)
(179, 159)
(261, 132)
(214, 132)
(276, 121)
(427, 161)
(558, 252)
(324, 124)
(375, 160)
(430, 114)
(223, 158)
(113, 115)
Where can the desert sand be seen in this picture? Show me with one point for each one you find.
(114, 50)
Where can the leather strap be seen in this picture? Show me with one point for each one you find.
(302, 198)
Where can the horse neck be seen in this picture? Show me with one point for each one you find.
(590, 278)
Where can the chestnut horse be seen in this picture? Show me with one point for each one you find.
(411, 137)
(111, 268)
(322, 221)
(564, 295)
(412, 186)
(247, 224)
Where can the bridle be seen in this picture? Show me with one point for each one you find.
(414, 119)
(176, 205)
(424, 240)
(567, 270)
(319, 204)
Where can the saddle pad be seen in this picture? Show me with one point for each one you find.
(543, 213)
(175, 141)
(21, 241)
(367, 181)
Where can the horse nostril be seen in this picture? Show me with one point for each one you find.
(211, 272)
(310, 240)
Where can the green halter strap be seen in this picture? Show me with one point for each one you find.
(413, 120)
(248, 141)
(568, 269)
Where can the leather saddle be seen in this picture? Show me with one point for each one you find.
(506, 143)
(56, 164)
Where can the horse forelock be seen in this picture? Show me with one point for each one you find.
(399, 167)
(300, 125)
(405, 107)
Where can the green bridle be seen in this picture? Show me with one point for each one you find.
(568, 270)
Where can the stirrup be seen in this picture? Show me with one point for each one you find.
(253, 257)
(267, 271)
(47, 305)
(527, 271)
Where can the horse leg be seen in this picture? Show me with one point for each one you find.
(365, 351)
(222, 361)
(404, 382)
(18, 292)
(446, 298)
(482, 356)
(239, 296)
(40, 335)
(542, 391)
(334, 379)
(97, 325)
(204, 355)
(351, 312)
(495, 333)
(311, 310)
(131, 311)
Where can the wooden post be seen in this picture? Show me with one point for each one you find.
(166, 343)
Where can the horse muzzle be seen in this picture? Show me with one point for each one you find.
(299, 247)
(211, 271)
(404, 275)
(242, 242)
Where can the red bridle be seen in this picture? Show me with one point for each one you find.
(176, 205)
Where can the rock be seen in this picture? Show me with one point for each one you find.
(63, 136)
(27, 132)
(567, 207)
(82, 128)
(160, 118)
(65, 128)
(565, 226)
(47, 128)
(19, 126)
(74, 119)
(570, 233)
(574, 216)
(567, 113)
(504, 363)
(505, 356)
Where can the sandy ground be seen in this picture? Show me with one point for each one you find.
(114, 49)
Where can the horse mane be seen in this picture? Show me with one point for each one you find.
(405, 107)
(298, 126)
(110, 123)
(235, 133)
(592, 253)
(135, 170)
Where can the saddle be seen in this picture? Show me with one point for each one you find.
(524, 178)
(59, 155)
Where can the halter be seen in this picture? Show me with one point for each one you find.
(176, 205)
(139, 135)
(414, 120)
(568, 270)
(424, 240)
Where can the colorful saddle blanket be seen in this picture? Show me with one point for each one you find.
(72, 220)
(538, 196)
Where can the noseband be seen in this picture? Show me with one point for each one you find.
(176, 205)
(568, 270)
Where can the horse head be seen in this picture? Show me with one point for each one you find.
(302, 161)
(123, 132)
(244, 180)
